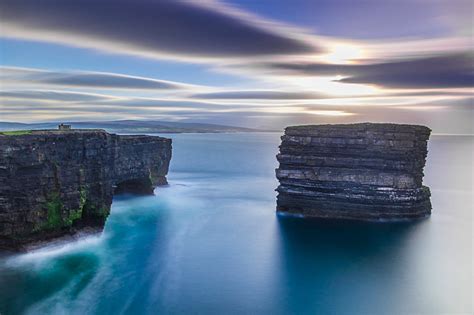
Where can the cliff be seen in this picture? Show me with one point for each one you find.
(55, 183)
(357, 171)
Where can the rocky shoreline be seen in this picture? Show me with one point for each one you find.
(57, 183)
(361, 171)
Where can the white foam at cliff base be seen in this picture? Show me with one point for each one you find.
(85, 243)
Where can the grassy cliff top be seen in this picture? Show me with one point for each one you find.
(47, 131)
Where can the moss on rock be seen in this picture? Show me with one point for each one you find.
(55, 218)
(77, 213)
(54, 207)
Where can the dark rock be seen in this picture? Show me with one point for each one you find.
(55, 183)
(357, 171)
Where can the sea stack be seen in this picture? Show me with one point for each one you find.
(366, 171)
(55, 183)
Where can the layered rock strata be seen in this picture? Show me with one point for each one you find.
(54, 183)
(361, 171)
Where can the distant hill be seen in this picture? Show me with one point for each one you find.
(132, 126)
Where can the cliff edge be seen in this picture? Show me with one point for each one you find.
(54, 183)
(361, 171)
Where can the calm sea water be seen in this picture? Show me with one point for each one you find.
(210, 243)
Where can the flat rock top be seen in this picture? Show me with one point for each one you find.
(377, 127)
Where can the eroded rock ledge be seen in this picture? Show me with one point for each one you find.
(361, 171)
(54, 183)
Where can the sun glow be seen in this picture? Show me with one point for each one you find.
(342, 54)
(329, 113)
(330, 86)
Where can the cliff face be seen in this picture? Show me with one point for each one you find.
(357, 171)
(54, 183)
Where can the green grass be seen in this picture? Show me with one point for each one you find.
(16, 132)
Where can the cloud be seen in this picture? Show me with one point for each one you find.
(139, 102)
(308, 95)
(190, 29)
(442, 115)
(260, 94)
(447, 71)
(53, 96)
(87, 79)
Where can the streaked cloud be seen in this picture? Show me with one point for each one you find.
(260, 94)
(294, 76)
(53, 96)
(271, 95)
(330, 112)
(87, 79)
(447, 71)
(186, 29)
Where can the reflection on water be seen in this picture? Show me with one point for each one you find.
(344, 265)
(210, 243)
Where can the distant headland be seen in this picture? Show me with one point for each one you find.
(363, 171)
(132, 126)
(59, 182)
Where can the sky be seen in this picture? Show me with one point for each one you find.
(262, 64)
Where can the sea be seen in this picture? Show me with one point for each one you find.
(211, 243)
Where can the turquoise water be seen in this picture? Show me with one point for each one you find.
(210, 243)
